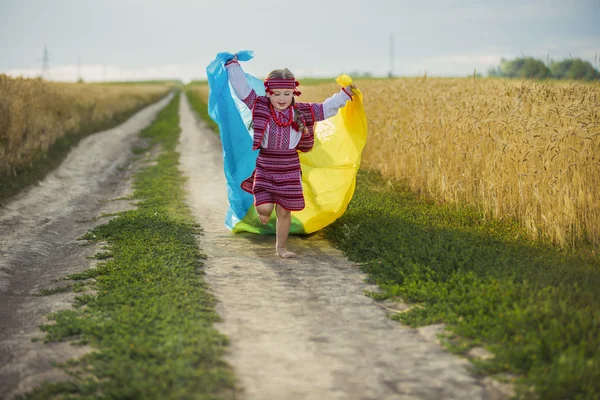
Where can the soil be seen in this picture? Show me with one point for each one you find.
(299, 328)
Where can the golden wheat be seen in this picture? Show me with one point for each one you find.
(34, 113)
(528, 150)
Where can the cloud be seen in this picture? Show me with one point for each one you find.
(508, 11)
(578, 47)
(100, 73)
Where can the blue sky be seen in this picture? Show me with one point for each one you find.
(135, 39)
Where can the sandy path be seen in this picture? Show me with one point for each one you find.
(303, 329)
(38, 243)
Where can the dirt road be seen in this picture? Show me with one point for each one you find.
(299, 329)
(38, 243)
(302, 328)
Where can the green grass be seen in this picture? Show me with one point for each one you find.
(53, 290)
(12, 181)
(139, 150)
(536, 308)
(150, 319)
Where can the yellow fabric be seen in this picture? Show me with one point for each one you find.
(329, 169)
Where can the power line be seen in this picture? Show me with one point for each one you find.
(79, 77)
(391, 74)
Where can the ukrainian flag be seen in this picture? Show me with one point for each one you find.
(328, 170)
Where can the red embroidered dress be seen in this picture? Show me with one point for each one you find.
(277, 177)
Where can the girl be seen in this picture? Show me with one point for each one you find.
(282, 127)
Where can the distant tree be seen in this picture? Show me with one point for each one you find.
(530, 68)
(574, 69)
(558, 70)
(580, 69)
(496, 71)
(511, 69)
(533, 69)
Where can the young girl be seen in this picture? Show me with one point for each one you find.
(282, 127)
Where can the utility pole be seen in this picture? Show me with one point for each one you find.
(391, 74)
(79, 77)
(46, 64)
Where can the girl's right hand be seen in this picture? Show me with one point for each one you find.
(232, 60)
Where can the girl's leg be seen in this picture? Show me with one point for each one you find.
(264, 212)
(284, 221)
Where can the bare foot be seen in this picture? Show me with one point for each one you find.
(283, 253)
(264, 218)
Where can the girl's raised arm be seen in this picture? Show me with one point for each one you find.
(240, 86)
(331, 105)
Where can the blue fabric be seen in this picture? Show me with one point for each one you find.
(233, 118)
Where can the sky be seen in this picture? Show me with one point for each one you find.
(176, 39)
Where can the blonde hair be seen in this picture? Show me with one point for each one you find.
(284, 73)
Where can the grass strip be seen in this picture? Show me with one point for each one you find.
(535, 308)
(12, 181)
(150, 319)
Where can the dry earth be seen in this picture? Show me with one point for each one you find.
(299, 329)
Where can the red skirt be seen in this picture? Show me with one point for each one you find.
(277, 179)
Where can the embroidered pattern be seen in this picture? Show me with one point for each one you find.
(278, 137)
(277, 179)
(250, 99)
(318, 112)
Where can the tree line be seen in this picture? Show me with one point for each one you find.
(531, 68)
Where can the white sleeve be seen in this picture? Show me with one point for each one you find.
(334, 103)
(237, 78)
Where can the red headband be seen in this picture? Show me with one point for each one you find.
(289, 83)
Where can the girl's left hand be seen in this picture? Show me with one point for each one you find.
(350, 88)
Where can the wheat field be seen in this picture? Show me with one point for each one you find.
(34, 113)
(520, 149)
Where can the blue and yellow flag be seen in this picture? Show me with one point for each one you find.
(328, 170)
